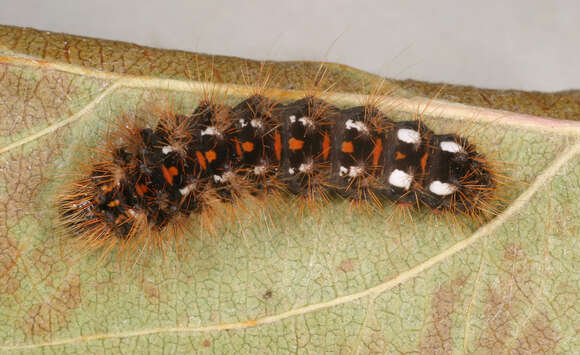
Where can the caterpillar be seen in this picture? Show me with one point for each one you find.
(157, 177)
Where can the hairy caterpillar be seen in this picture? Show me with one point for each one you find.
(155, 178)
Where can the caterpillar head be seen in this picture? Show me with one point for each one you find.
(460, 179)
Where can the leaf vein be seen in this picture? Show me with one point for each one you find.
(539, 183)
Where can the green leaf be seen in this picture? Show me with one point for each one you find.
(331, 281)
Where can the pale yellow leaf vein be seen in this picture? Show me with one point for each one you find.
(441, 109)
(438, 108)
(373, 292)
(52, 128)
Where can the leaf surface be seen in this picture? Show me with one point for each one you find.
(331, 281)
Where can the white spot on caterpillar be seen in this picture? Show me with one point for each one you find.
(305, 168)
(442, 188)
(187, 189)
(243, 122)
(256, 123)
(409, 136)
(401, 179)
(223, 178)
(210, 131)
(358, 125)
(292, 119)
(259, 170)
(451, 147)
(132, 212)
(82, 204)
(167, 149)
(355, 171)
(342, 171)
(291, 171)
(306, 121)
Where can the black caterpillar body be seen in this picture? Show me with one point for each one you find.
(307, 147)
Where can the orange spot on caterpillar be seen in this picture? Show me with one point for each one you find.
(325, 146)
(400, 156)
(141, 189)
(278, 146)
(114, 203)
(210, 155)
(248, 146)
(377, 150)
(107, 188)
(295, 144)
(168, 174)
(238, 148)
(200, 159)
(424, 161)
(347, 147)
(436, 211)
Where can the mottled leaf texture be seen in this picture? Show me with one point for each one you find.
(335, 280)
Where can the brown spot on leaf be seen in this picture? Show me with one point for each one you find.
(502, 312)
(513, 252)
(151, 290)
(52, 315)
(498, 316)
(267, 294)
(346, 265)
(537, 338)
(213, 316)
(377, 343)
(9, 255)
(437, 338)
(22, 173)
(207, 343)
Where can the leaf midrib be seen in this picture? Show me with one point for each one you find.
(424, 106)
